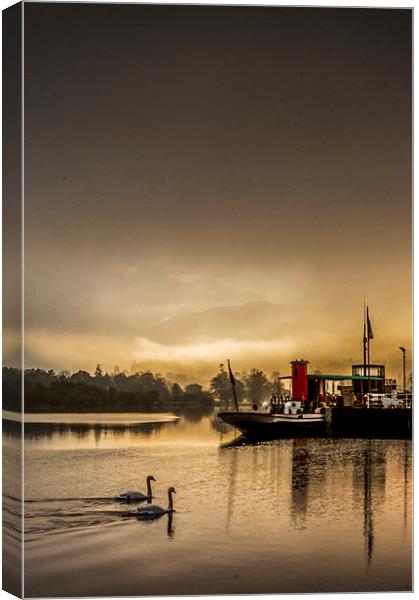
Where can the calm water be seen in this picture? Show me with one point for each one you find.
(306, 515)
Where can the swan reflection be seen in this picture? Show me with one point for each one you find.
(154, 511)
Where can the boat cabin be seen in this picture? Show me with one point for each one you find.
(375, 382)
(314, 390)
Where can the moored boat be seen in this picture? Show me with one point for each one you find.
(303, 412)
(311, 407)
(270, 425)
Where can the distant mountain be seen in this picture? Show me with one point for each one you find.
(252, 321)
(266, 335)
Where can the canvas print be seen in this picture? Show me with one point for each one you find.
(207, 308)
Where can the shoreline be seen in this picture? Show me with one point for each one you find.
(89, 418)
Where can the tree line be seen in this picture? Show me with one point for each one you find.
(120, 391)
(253, 386)
(83, 392)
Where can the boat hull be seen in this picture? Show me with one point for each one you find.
(263, 425)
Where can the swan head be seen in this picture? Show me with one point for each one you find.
(150, 478)
(171, 490)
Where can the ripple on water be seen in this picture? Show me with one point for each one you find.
(269, 517)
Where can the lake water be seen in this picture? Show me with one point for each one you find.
(303, 515)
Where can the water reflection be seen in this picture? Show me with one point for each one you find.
(369, 485)
(12, 534)
(220, 425)
(194, 424)
(406, 472)
(297, 501)
(35, 431)
(368, 507)
(170, 529)
(231, 487)
(300, 479)
(318, 470)
(193, 413)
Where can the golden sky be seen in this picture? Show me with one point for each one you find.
(204, 183)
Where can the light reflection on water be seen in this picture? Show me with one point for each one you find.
(149, 428)
(304, 515)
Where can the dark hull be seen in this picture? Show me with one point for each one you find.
(391, 423)
(269, 426)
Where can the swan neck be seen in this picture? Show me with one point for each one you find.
(149, 488)
(170, 500)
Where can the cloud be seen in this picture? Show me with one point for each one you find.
(212, 352)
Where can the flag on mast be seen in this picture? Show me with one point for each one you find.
(370, 334)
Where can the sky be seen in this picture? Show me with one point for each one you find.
(204, 183)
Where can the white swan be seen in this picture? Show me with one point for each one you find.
(151, 511)
(138, 496)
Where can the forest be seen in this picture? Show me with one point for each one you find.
(48, 391)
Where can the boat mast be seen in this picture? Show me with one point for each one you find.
(368, 350)
(233, 384)
(370, 336)
(364, 347)
(364, 341)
